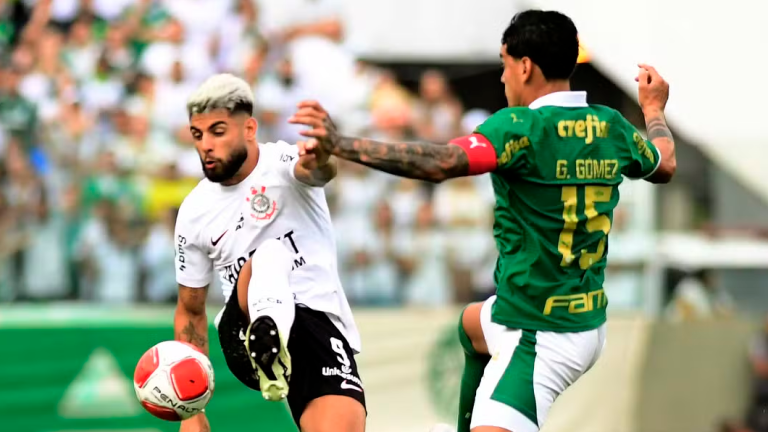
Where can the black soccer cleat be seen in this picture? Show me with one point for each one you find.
(269, 357)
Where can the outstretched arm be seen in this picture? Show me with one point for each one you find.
(418, 160)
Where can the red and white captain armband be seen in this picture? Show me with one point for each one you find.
(480, 152)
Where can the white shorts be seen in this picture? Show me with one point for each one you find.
(528, 370)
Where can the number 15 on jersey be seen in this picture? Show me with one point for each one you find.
(595, 222)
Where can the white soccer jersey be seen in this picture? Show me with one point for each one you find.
(219, 227)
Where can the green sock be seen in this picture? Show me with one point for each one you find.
(474, 366)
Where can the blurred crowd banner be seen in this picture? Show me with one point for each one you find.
(70, 370)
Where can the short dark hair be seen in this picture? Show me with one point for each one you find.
(548, 38)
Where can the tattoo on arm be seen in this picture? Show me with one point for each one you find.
(322, 174)
(190, 334)
(656, 125)
(418, 160)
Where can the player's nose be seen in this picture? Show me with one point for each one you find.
(207, 144)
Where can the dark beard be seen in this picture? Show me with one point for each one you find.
(226, 169)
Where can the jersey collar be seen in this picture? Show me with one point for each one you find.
(570, 99)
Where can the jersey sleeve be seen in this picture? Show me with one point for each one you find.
(644, 157)
(194, 268)
(287, 157)
(509, 133)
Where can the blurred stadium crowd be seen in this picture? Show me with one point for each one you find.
(96, 157)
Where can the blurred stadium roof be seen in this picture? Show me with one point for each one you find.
(712, 55)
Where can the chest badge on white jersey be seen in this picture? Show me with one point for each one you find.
(263, 208)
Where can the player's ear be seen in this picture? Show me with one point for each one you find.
(251, 126)
(526, 69)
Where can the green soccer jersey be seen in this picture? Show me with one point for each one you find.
(556, 185)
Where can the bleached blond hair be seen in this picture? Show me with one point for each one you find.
(222, 91)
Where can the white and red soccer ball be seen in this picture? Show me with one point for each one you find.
(173, 380)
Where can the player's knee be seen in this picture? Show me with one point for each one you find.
(471, 330)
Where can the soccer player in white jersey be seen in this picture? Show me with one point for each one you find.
(260, 220)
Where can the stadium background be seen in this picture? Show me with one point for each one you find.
(95, 157)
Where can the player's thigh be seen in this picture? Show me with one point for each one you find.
(323, 365)
(526, 374)
(333, 413)
(231, 325)
(241, 286)
(490, 332)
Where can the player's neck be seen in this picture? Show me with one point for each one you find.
(246, 169)
(545, 89)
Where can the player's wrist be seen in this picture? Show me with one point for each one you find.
(653, 111)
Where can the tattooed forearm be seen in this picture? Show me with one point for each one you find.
(191, 334)
(656, 125)
(318, 176)
(418, 160)
(661, 137)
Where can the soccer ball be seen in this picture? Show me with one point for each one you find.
(173, 380)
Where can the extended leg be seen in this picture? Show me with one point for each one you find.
(475, 359)
(265, 296)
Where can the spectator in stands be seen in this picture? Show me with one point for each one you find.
(425, 257)
(371, 272)
(466, 218)
(108, 257)
(697, 297)
(45, 262)
(81, 51)
(17, 114)
(309, 33)
(157, 254)
(277, 94)
(438, 115)
(23, 190)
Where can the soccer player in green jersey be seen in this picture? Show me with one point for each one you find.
(556, 163)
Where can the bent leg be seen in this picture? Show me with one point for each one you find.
(265, 297)
(475, 360)
(263, 287)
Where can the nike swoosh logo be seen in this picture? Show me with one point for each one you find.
(215, 242)
(346, 386)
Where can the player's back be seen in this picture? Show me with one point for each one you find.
(556, 187)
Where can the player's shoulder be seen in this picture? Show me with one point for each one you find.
(509, 124)
(197, 201)
(278, 152)
(607, 113)
(511, 115)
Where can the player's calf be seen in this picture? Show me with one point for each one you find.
(264, 295)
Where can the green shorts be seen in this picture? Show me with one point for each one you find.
(528, 370)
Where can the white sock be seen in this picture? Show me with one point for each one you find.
(269, 292)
